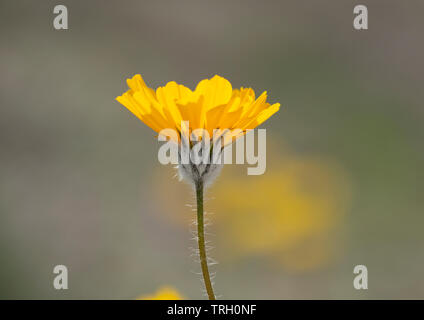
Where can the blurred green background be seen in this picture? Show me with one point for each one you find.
(80, 183)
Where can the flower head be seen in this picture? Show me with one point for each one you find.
(214, 112)
(214, 104)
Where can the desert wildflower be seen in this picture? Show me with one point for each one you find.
(213, 105)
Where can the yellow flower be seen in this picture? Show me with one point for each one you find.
(164, 293)
(214, 104)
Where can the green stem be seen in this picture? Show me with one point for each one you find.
(201, 240)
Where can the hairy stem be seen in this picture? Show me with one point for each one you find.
(201, 240)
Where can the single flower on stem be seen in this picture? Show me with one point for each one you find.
(214, 114)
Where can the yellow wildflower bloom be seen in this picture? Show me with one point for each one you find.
(164, 293)
(179, 113)
(214, 104)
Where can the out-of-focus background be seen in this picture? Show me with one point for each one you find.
(80, 183)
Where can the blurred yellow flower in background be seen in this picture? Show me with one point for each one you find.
(164, 293)
(293, 214)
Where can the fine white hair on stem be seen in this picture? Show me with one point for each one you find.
(195, 254)
(200, 175)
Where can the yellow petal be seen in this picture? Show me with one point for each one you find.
(136, 83)
(166, 97)
(263, 116)
(216, 91)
